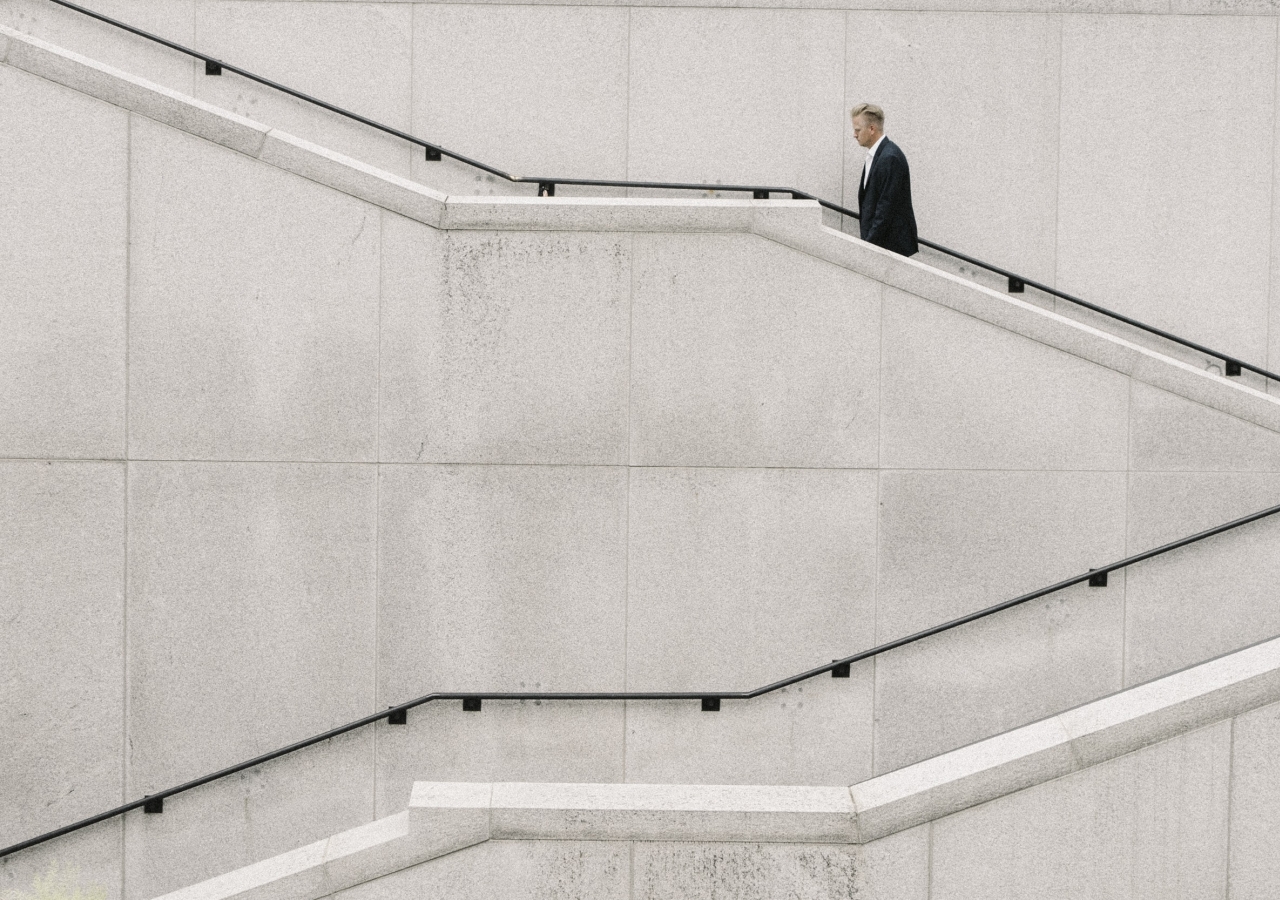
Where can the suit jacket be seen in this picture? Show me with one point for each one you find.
(884, 205)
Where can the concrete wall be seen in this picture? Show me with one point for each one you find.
(1132, 795)
(275, 457)
(1189, 818)
(1066, 142)
(657, 870)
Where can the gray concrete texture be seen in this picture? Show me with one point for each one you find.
(1255, 789)
(1152, 824)
(745, 353)
(890, 869)
(996, 103)
(505, 347)
(235, 353)
(366, 460)
(1130, 784)
(1189, 816)
(75, 303)
(574, 870)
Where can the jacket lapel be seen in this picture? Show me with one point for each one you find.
(867, 176)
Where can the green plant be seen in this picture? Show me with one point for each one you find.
(58, 883)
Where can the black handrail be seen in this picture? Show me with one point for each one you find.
(547, 186)
(710, 699)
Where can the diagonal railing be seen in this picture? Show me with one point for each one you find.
(710, 700)
(1232, 366)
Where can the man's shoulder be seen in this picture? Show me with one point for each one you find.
(889, 148)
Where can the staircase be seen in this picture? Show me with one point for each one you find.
(293, 439)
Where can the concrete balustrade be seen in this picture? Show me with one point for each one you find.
(1134, 789)
(333, 439)
(1044, 136)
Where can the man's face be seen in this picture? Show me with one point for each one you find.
(865, 132)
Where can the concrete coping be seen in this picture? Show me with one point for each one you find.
(1050, 748)
(447, 816)
(641, 812)
(793, 223)
(333, 864)
(1068, 742)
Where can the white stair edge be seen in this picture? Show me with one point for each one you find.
(335, 863)
(448, 816)
(792, 223)
(1076, 739)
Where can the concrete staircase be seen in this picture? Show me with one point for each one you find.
(722, 443)
(1145, 785)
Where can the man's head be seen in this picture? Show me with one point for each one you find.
(868, 123)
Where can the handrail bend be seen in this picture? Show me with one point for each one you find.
(546, 187)
(710, 699)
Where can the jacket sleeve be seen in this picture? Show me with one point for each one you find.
(889, 199)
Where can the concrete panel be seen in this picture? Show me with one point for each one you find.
(493, 576)
(138, 95)
(738, 578)
(62, 605)
(505, 347)
(962, 394)
(670, 812)
(961, 778)
(501, 578)
(449, 813)
(955, 542)
(1273, 318)
(1209, 598)
(742, 576)
(172, 19)
(1242, 8)
(666, 871)
(761, 104)
(354, 55)
(1171, 433)
(246, 818)
(1015, 667)
(349, 176)
(817, 732)
(895, 867)
(556, 104)
(236, 351)
(1151, 824)
(251, 625)
(973, 102)
(513, 870)
(1255, 793)
(747, 353)
(1140, 184)
(273, 563)
(63, 227)
(517, 740)
(1081, 737)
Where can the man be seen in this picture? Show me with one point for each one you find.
(884, 193)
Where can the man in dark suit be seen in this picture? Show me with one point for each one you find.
(884, 192)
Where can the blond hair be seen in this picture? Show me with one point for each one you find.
(870, 112)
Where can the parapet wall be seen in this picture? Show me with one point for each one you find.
(277, 456)
(1166, 790)
(1053, 138)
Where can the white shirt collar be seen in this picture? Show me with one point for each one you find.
(874, 147)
